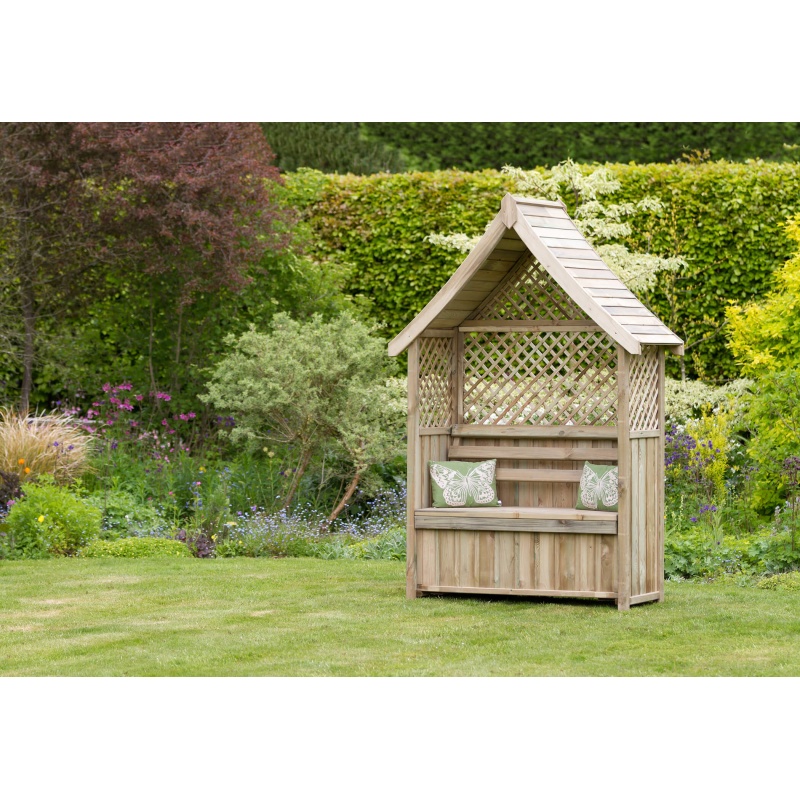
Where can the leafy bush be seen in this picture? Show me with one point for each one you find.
(134, 547)
(766, 335)
(49, 520)
(774, 418)
(390, 546)
(124, 515)
(314, 385)
(787, 581)
(49, 444)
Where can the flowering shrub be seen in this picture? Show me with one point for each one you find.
(49, 520)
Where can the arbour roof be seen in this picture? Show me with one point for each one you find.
(527, 227)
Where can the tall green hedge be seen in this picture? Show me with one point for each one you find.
(723, 218)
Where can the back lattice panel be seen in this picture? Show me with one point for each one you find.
(644, 390)
(551, 378)
(529, 292)
(435, 382)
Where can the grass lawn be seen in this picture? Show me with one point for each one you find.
(295, 617)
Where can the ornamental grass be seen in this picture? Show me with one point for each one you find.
(46, 444)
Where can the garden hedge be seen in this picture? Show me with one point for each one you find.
(725, 219)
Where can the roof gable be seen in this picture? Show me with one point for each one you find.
(539, 234)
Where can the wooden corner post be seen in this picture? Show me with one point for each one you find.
(625, 498)
(413, 480)
(660, 521)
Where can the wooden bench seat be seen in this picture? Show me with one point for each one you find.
(517, 518)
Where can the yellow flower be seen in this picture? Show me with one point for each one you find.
(21, 461)
(202, 469)
(213, 537)
(41, 518)
(230, 524)
(27, 470)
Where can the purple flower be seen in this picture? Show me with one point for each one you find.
(693, 519)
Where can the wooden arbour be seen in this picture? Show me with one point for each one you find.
(536, 354)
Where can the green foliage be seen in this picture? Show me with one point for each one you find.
(329, 147)
(787, 581)
(390, 545)
(124, 515)
(136, 547)
(766, 335)
(483, 145)
(48, 521)
(719, 217)
(774, 418)
(312, 385)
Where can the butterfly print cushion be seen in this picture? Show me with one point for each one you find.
(458, 484)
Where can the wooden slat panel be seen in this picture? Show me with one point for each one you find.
(660, 464)
(414, 478)
(545, 544)
(486, 558)
(433, 432)
(503, 254)
(654, 330)
(554, 453)
(584, 563)
(566, 563)
(622, 302)
(588, 255)
(536, 431)
(597, 283)
(446, 555)
(543, 211)
(504, 564)
(513, 243)
(641, 507)
(660, 339)
(645, 598)
(469, 558)
(537, 222)
(634, 494)
(546, 232)
(625, 311)
(624, 521)
(526, 564)
(588, 272)
(653, 487)
(426, 556)
(608, 527)
(608, 292)
(521, 592)
(579, 243)
(532, 475)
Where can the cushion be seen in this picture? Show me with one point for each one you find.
(599, 489)
(463, 484)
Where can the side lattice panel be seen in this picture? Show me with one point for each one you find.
(548, 378)
(644, 390)
(436, 384)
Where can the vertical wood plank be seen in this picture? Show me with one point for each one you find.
(486, 558)
(413, 496)
(660, 529)
(446, 557)
(641, 509)
(635, 494)
(525, 561)
(504, 560)
(652, 515)
(624, 517)
(426, 557)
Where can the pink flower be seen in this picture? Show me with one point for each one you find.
(197, 483)
(106, 387)
(139, 397)
(191, 415)
(164, 422)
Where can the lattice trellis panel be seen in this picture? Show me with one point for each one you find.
(529, 292)
(436, 383)
(644, 390)
(550, 378)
